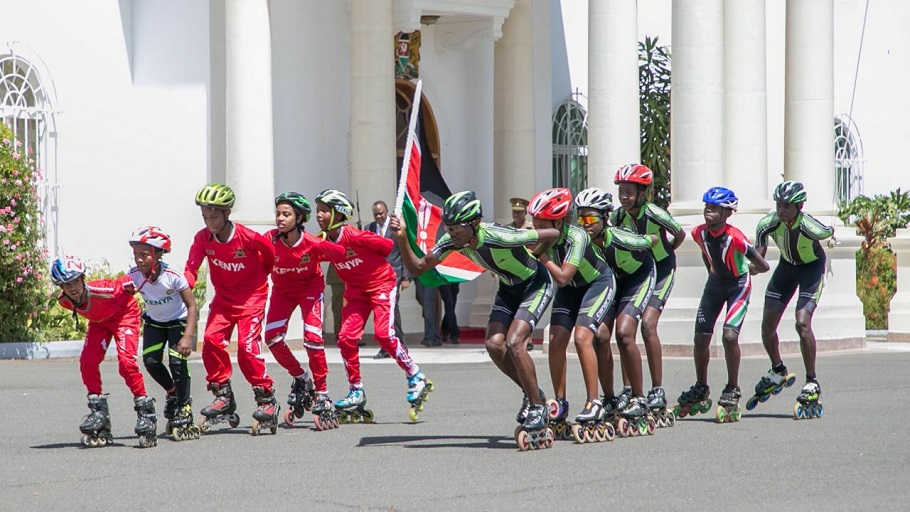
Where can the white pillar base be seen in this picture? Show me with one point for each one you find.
(899, 317)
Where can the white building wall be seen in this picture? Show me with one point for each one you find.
(132, 139)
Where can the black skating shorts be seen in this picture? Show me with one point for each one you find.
(809, 277)
(525, 301)
(586, 306)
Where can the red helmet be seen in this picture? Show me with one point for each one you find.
(551, 204)
(634, 173)
(151, 235)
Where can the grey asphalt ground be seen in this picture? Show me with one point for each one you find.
(462, 456)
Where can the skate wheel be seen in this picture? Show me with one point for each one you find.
(622, 426)
(430, 386)
(522, 439)
(706, 406)
(233, 420)
(819, 410)
(791, 379)
(175, 434)
(552, 409)
(578, 434)
(798, 411)
(289, 417)
(752, 403)
(681, 412)
(255, 428)
(721, 414)
(203, 424)
(764, 398)
(609, 432)
(368, 416)
(737, 413)
(420, 407)
(412, 414)
(600, 434)
(652, 426)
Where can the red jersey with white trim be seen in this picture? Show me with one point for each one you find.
(298, 266)
(105, 300)
(364, 266)
(239, 268)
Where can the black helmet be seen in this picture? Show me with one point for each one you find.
(461, 207)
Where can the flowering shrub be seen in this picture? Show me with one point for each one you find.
(23, 257)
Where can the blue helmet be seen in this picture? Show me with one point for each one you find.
(721, 196)
(66, 268)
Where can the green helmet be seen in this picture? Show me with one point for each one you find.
(790, 192)
(461, 207)
(337, 201)
(215, 195)
(298, 203)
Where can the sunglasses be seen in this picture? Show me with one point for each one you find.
(589, 220)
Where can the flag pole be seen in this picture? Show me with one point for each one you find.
(408, 146)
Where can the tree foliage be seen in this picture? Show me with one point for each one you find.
(654, 101)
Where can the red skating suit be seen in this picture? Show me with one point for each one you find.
(239, 270)
(369, 285)
(297, 281)
(112, 313)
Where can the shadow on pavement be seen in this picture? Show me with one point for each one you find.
(489, 442)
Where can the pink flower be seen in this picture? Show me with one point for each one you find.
(15, 172)
(12, 202)
(6, 242)
(18, 279)
(31, 151)
(3, 229)
(15, 155)
(18, 183)
(6, 141)
(18, 143)
(3, 181)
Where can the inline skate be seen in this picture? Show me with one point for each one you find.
(300, 399)
(637, 419)
(728, 409)
(267, 411)
(146, 421)
(181, 427)
(352, 408)
(534, 433)
(558, 414)
(807, 403)
(770, 384)
(590, 426)
(419, 389)
(324, 417)
(657, 403)
(693, 401)
(170, 409)
(96, 426)
(526, 405)
(221, 409)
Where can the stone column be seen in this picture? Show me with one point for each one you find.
(745, 122)
(697, 101)
(613, 101)
(809, 101)
(899, 317)
(373, 160)
(248, 103)
(513, 103)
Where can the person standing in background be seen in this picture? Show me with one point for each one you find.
(380, 226)
(520, 214)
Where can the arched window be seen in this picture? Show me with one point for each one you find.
(848, 160)
(570, 145)
(27, 106)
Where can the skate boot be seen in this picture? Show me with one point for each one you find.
(300, 399)
(146, 421)
(657, 403)
(728, 409)
(693, 401)
(807, 403)
(267, 411)
(419, 389)
(535, 433)
(182, 427)
(590, 426)
(324, 417)
(638, 418)
(558, 414)
(770, 384)
(222, 408)
(526, 404)
(170, 409)
(352, 408)
(96, 426)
